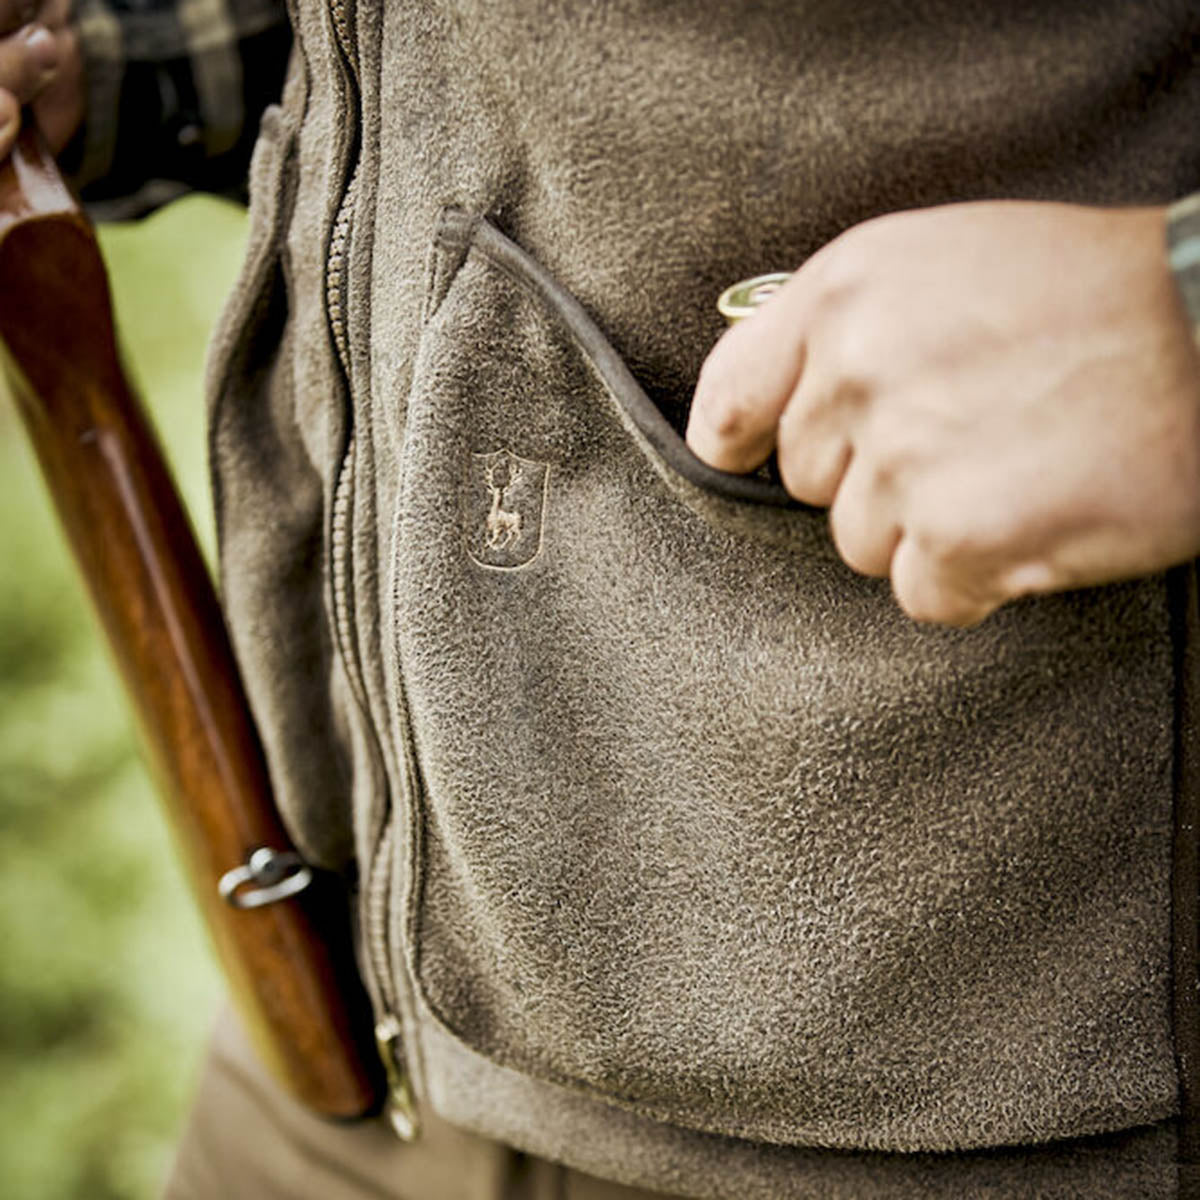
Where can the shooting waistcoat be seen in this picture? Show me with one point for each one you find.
(682, 854)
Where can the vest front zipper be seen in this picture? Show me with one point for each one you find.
(336, 280)
(401, 1107)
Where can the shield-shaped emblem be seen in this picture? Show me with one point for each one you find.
(505, 509)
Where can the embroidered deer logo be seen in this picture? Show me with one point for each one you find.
(504, 509)
(503, 524)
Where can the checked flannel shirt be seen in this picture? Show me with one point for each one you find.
(175, 89)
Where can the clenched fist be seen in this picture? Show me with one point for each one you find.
(993, 399)
(41, 66)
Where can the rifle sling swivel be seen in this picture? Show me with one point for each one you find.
(275, 874)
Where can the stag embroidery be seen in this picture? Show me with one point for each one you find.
(504, 509)
(503, 524)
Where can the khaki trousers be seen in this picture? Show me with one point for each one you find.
(247, 1140)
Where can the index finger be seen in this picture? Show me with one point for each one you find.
(746, 382)
(28, 61)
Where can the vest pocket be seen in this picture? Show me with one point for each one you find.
(706, 827)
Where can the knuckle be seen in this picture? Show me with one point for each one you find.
(887, 477)
(729, 410)
(807, 406)
(798, 482)
(853, 346)
(945, 546)
(38, 59)
(793, 473)
(18, 75)
(942, 532)
(881, 470)
(854, 549)
(865, 541)
(900, 449)
(932, 591)
(731, 415)
(799, 415)
(1032, 578)
(839, 267)
(931, 602)
(845, 379)
(927, 591)
(920, 607)
(812, 473)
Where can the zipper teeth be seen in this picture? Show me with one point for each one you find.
(341, 28)
(376, 895)
(337, 279)
(336, 275)
(336, 304)
(337, 301)
(378, 933)
(339, 546)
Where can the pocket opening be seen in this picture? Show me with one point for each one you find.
(779, 920)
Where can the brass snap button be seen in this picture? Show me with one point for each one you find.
(744, 299)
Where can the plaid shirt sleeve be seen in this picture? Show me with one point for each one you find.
(1183, 250)
(175, 91)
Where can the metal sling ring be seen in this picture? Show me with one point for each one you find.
(278, 874)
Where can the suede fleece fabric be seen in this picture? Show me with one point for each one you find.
(686, 859)
(246, 1139)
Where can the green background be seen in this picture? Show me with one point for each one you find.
(106, 983)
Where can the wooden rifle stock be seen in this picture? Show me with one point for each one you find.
(289, 961)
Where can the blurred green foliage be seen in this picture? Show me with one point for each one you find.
(106, 984)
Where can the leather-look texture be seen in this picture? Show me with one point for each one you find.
(707, 870)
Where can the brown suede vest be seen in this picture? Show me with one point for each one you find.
(685, 857)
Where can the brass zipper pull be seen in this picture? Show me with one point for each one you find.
(401, 1105)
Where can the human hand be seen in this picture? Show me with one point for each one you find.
(993, 398)
(40, 65)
